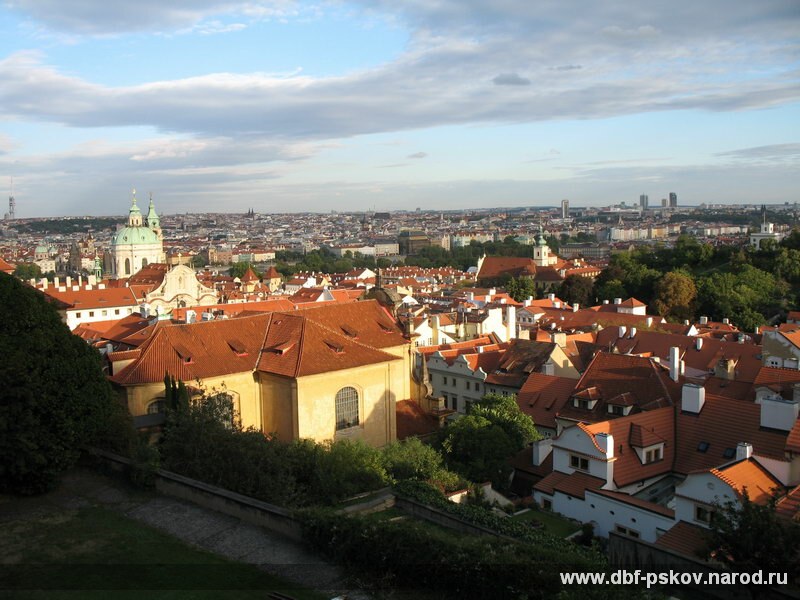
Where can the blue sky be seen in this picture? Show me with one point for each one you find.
(224, 105)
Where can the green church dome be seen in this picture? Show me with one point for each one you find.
(134, 236)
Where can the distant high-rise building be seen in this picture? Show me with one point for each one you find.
(673, 200)
(565, 209)
(663, 203)
(643, 201)
(12, 204)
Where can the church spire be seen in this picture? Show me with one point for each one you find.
(135, 215)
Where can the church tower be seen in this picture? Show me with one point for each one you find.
(137, 245)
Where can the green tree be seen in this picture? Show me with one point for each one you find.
(749, 537)
(520, 288)
(27, 271)
(348, 468)
(479, 444)
(577, 290)
(238, 269)
(675, 295)
(55, 396)
(411, 459)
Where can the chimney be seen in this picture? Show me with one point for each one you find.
(693, 397)
(698, 343)
(57, 282)
(556, 304)
(605, 442)
(527, 302)
(726, 321)
(44, 283)
(91, 279)
(551, 297)
(778, 413)
(541, 450)
(632, 333)
(69, 281)
(191, 316)
(621, 331)
(479, 349)
(559, 338)
(511, 321)
(576, 307)
(435, 323)
(80, 280)
(744, 451)
(144, 310)
(796, 392)
(648, 322)
(674, 360)
(470, 296)
(617, 300)
(703, 320)
(605, 301)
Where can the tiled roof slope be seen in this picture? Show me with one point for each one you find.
(651, 427)
(722, 424)
(749, 475)
(644, 383)
(494, 267)
(198, 350)
(543, 396)
(293, 344)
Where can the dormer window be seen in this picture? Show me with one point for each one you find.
(653, 455)
(578, 463)
(615, 409)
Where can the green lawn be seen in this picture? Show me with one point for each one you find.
(552, 522)
(96, 553)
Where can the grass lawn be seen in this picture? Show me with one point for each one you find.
(97, 553)
(552, 522)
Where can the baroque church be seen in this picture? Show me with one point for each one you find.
(138, 244)
(137, 255)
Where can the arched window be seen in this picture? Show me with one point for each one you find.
(346, 408)
(156, 406)
(127, 266)
(144, 263)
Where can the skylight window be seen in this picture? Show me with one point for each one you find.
(703, 447)
(729, 453)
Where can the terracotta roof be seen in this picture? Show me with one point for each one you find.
(747, 356)
(6, 267)
(574, 484)
(779, 380)
(543, 396)
(793, 439)
(722, 424)
(197, 351)
(495, 267)
(685, 538)
(94, 298)
(249, 276)
(749, 475)
(612, 375)
(654, 426)
(523, 461)
(413, 421)
(272, 273)
(297, 345)
(302, 342)
(151, 275)
(788, 507)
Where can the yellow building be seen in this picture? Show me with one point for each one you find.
(327, 372)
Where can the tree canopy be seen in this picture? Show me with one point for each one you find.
(55, 396)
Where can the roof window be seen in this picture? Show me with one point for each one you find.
(703, 447)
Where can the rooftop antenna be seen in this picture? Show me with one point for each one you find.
(12, 204)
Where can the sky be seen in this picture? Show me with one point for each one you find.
(282, 105)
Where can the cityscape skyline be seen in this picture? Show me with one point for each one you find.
(295, 106)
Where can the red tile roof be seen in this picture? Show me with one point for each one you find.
(639, 430)
(574, 484)
(751, 476)
(543, 396)
(788, 507)
(637, 502)
(495, 267)
(94, 298)
(413, 421)
(612, 375)
(722, 424)
(685, 538)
